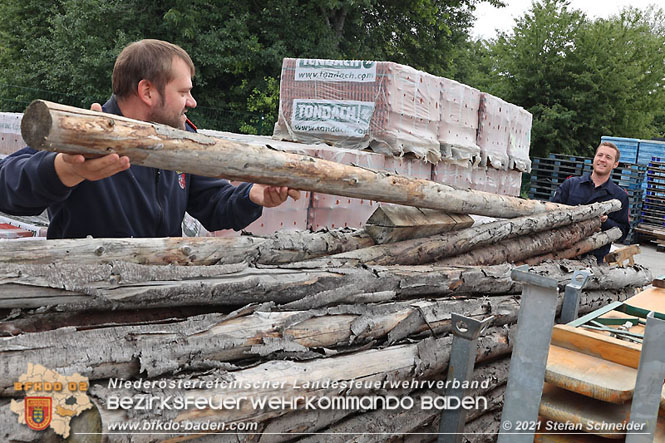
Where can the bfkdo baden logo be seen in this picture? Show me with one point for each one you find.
(38, 412)
(51, 399)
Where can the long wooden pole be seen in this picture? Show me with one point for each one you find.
(55, 127)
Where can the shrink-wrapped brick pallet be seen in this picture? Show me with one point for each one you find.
(391, 108)
(459, 122)
(504, 132)
(519, 139)
(10, 133)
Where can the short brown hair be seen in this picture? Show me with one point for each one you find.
(146, 60)
(613, 146)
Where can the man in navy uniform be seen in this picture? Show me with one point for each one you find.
(598, 187)
(108, 197)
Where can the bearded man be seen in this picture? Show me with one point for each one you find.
(109, 197)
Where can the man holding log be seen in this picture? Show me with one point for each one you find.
(598, 187)
(106, 196)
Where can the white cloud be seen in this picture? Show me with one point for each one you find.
(490, 18)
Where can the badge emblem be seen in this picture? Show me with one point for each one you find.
(181, 179)
(38, 412)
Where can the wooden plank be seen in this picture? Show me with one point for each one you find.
(651, 299)
(590, 376)
(568, 407)
(591, 343)
(620, 256)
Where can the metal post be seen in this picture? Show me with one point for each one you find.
(462, 360)
(649, 383)
(571, 297)
(529, 359)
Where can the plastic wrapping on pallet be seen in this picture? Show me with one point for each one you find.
(10, 132)
(452, 174)
(519, 139)
(290, 215)
(478, 178)
(493, 131)
(391, 108)
(337, 212)
(459, 122)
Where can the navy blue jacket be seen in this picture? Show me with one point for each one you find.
(582, 191)
(138, 202)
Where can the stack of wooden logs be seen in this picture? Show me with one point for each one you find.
(296, 316)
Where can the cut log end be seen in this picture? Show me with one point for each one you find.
(36, 124)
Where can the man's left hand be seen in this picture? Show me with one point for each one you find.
(271, 196)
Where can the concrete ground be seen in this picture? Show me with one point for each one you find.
(650, 258)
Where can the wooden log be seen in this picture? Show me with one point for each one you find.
(520, 248)
(427, 250)
(580, 248)
(389, 371)
(55, 127)
(205, 341)
(130, 286)
(395, 369)
(381, 425)
(281, 247)
(496, 372)
(392, 223)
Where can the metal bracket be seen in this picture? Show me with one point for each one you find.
(529, 359)
(460, 368)
(649, 383)
(571, 297)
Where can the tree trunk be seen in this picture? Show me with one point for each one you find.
(427, 250)
(580, 248)
(520, 248)
(281, 247)
(55, 127)
(131, 286)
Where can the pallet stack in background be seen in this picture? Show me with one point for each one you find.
(548, 173)
(652, 220)
(651, 155)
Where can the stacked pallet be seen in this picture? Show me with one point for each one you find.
(549, 173)
(652, 217)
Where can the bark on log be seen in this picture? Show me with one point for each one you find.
(281, 247)
(520, 248)
(430, 249)
(206, 341)
(132, 286)
(580, 248)
(56, 127)
(392, 223)
(405, 363)
(406, 423)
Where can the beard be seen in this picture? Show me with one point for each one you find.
(168, 117)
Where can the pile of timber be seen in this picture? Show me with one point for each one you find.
(296, 316)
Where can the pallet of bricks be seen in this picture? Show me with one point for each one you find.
(652, 216)
(548, 173)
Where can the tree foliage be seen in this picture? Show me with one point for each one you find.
(64, 50)
(580, 78)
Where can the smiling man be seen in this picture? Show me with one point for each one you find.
(109, 197)
(598, 187)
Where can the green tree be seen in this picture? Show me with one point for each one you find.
(68, 46)
(581, 79)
